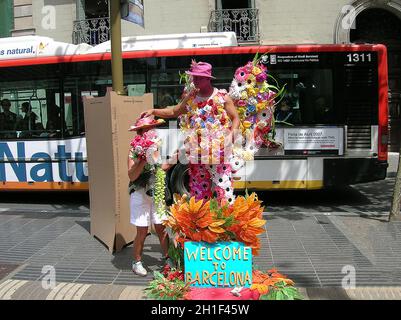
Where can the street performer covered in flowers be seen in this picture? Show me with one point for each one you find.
(209, 120)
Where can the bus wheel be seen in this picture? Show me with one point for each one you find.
(179, 180)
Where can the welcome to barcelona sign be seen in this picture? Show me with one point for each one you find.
(222, 264)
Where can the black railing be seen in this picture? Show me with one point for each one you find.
(244, 22)
(91, 31)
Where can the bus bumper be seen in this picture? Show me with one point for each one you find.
(353, 170)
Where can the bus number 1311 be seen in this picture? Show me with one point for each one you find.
(359, 57)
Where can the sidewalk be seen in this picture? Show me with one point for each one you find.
(312, 248)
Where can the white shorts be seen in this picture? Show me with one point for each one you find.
(143, 210)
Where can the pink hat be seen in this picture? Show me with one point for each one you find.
(146, 122)
(200, 69)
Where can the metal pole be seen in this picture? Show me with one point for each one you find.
(116, 57)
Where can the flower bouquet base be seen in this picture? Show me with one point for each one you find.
(221, 294)
(211, 222)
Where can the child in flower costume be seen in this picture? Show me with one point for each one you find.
(142, 174)
(208, 118)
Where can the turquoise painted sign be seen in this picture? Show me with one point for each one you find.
(221, 264)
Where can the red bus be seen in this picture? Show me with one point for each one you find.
(336, 96)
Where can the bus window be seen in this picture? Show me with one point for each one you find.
(308, 98)
(29, 100)
(166, 88)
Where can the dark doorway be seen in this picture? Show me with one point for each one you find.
(96, 9)
(382, 26)
(236, 4)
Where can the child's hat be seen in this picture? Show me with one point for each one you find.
(146, 122)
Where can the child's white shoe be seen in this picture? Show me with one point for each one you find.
(137, 267)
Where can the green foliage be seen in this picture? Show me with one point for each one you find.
(176, 253)
(162, 288)
(282, 291)
(214, 205)
(159, 194)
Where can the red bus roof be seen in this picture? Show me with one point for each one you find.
(195, 52)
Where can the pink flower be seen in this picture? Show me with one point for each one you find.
(249, 66)
(261, 77)
(223, 169)
(220, 194)
(241, 103)
(241, 74)
(141, 143)
(262, 67)
(271, 95)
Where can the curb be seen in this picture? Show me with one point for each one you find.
(12, 289)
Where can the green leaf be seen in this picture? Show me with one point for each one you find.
(280, 296)
(272, 295)
(231, 235)
(280, 284)
(214, 206)
(286, 123)
(255, 59)
(229, 221)
(158, 275)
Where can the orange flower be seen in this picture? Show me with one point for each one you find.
(194, 220)
(263, 281)
(210, 222)
(249, 221)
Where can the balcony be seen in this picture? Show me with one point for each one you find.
(244, 22)
(91, 31)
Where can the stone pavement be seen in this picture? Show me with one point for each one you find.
(313, 250)
(317, 249)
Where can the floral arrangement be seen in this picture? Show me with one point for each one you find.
(202, 178)
(274, 286)
(255, 100)
(219, 216)
(192, 220)
(206, 124)
(168, 285)
(143, 147)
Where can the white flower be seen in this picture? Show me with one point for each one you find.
(235, 89)
(250, 149)
(236, 162)
(253, 101)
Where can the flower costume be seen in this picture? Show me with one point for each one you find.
(207, 127)
(254, 99)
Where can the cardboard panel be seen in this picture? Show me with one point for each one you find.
(107, 120)
(100, 168)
